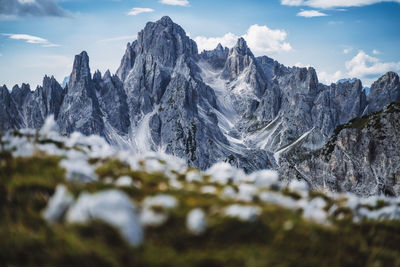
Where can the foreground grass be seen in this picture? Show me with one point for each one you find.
(279, 237)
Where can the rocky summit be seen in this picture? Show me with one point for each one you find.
(224, 105)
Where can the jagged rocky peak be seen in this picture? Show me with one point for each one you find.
(271, 67)
(53, 95)
(389, 78)
(344, 89)
(384, 91)
(51, 84)
(97, 75)
(164, 96)
(308, 74)
(4, 93)
(112, 101)
(215, 58)
(346, 80)
(241, 47)
(80, 70)
(306, 80)
(220, 47)
(127, 61)
(240, 57)
(107, 75)
(351, 97)
(165, 41)
(161, 52)
(20, 93)
(80, 109)
(9, 115)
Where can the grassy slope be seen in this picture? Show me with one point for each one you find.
(278, 237)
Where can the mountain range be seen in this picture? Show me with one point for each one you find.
(225, 105)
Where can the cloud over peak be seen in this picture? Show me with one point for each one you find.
(364, 65)
(32, 8)
(138, 10)
(261, 40)
(175, 2)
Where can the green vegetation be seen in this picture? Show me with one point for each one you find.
(360, 123)
(279, 237)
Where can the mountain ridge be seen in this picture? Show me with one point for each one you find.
(218, 105)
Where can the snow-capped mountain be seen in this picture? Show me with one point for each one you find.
(219, 105)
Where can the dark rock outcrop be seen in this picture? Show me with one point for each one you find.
(383, 92)
(9, 115)
(361, 156)
(80, 110)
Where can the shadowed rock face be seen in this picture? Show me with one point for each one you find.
(361, 157)
(34, 106)
(170, 106)
(80, 109)
(127, 61)
(220, 105)
(9, 116)
(112, 101)
(53, 95)
(217, 57)
(383, 92)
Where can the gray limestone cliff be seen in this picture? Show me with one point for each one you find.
(80, 110)
(383, 92)
(361, 156)
(9, 115)
(218, 105)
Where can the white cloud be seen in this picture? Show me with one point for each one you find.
(376, 52)
(26, 1)
(205, 43)
(364, 65)
(51, 45)
(328, 78)
(31, 39)
(335, 22)
(292, 2)
(260, 39)
(119, 38)
(301, 65)
(18, 8)
(311, 14)
(347, 50)
(326, 4)
(138, 10)
(28, 38)
(175, 2)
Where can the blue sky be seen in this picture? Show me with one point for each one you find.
(340, 38)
